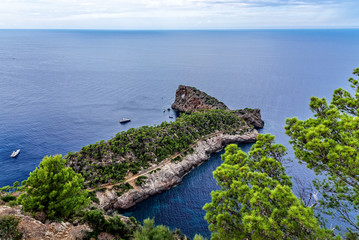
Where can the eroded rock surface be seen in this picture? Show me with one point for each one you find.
(33, 229)
(190, 99)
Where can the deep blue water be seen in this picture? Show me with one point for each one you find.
(61, 90)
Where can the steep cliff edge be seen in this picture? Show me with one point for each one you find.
(190, 99)
(172, 173)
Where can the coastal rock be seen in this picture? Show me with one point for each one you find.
(172, 173)
(190, 99)
(33, 229)
(251, 116)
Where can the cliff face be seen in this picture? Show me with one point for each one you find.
(251, 116)
(172, 173)
(33, 229)
(190, 99)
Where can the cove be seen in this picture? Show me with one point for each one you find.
(181, 206)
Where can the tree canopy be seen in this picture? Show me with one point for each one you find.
(256, 200)
(54, 189)
(329, 144)
(151, 232)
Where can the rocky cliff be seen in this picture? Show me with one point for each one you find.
(172, 173)
(33, 229)
(190, 99)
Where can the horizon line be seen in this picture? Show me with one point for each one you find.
(184, 29)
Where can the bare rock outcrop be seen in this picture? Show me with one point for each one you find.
(251, 116)
(172, 173)
(33, 229)
(190, 99)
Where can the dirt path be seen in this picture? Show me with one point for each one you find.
(132, 179)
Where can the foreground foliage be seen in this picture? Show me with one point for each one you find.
(256, 200)
(151, 232)
(54, 189)
(8, 228)
(329, 144)
(113, 225)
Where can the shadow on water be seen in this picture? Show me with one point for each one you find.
(181, 207)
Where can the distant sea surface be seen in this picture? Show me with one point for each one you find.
(61, 90)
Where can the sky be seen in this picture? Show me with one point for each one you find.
(177, 14)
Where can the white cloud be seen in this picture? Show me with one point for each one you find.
(176, 14)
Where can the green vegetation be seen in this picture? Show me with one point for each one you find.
(329, 144)
(128, 229)
(8, 228)
(14, 187)
(54, 189)
(113, 225)
(8, 198)
(176, 159)
(140, 180)
(122, 188)
(199, 237)
(93, 197)
(256, 200)
(150, 232)
(136, 149)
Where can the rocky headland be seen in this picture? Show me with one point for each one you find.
(172, 173)
(139, 159)
(188, 99)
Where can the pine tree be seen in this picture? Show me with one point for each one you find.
(329, 144)
(54, 189)
(256, 200)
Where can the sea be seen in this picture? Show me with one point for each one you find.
(64, 89)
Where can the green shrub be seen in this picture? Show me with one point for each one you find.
(8, 198)
(12, 203)
(96, 220)
(8, 228)
(151, 232)
(140, 180)
(93, 197)
(114, 225)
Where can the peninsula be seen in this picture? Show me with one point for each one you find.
(142, 162)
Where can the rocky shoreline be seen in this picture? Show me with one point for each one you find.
(172, 173)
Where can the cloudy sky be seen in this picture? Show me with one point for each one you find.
(178, 14)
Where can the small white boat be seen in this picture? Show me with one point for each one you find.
(15, 153)
(125, 120)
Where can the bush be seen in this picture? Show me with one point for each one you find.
(93, 197)
(8, 228)
(140, 180)
(113, 225)
(95, 220)
(8, 198)
(150, 232)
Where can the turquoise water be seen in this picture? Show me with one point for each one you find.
(61, 90)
